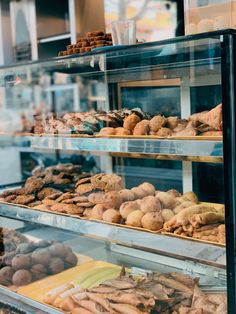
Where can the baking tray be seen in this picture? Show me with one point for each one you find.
(161, 231)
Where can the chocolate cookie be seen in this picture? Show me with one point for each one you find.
(33, 185)
(24, 199)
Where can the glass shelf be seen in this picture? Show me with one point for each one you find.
(193, 150)
(200, 150)
(25, 304)
(208, 254)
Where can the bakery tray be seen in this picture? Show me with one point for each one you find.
(161, 231)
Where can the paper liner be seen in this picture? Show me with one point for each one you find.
(39, 289)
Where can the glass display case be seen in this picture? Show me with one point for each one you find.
(118, 180)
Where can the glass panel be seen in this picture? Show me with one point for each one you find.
(119, 155)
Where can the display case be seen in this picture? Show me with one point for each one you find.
(123, 198)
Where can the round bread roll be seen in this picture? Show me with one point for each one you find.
(157, 122)
(134, 218)
(21, 277)
(123, 131)
(131, 121)
(139, 192)
(191, 196)
(127, 195)
(174, 193)
(182, 206)
(142, 128)
(96, 198)
(150, 204)
(112, 199)
(111, 215)
(98, 211)
(152, 221)
(107, 131)
(127, 208)
(167, 200)
(164, 132)
(180, 200)
(148, 188)
(167, 214)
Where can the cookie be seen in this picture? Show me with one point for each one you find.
(100, 42)
(54, 196)
(76, 50)
(24, 199)
(83, 180)
(65, 196)
(88, 49)
(49, 202)
(67, 208)
(99, 38)
(45, 192)
(10, 198)
(84, 188)
(35, 203)
(33, 185)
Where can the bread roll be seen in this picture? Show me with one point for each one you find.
(134, 218)
(150, 204)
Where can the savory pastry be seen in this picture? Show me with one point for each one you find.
(142, 128)
(150, 204)
(191, 196)
(131, 121)
(164, 132)
(59, 250)
(157, 122)
(108, 131)
(135, 218)
(111, 215)
(122, 131)
(152, 221)
(172, 122)
(127, 208)
(207, 218)
(182, 206)
(213, 118)
(174, 193)
(56, 265)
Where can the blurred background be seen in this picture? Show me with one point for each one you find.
(38, 29)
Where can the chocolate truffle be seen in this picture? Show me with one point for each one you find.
(21, 261)
(22, 277)
(39, 271)
(59, 249)
(56, 265)
(41, 256)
